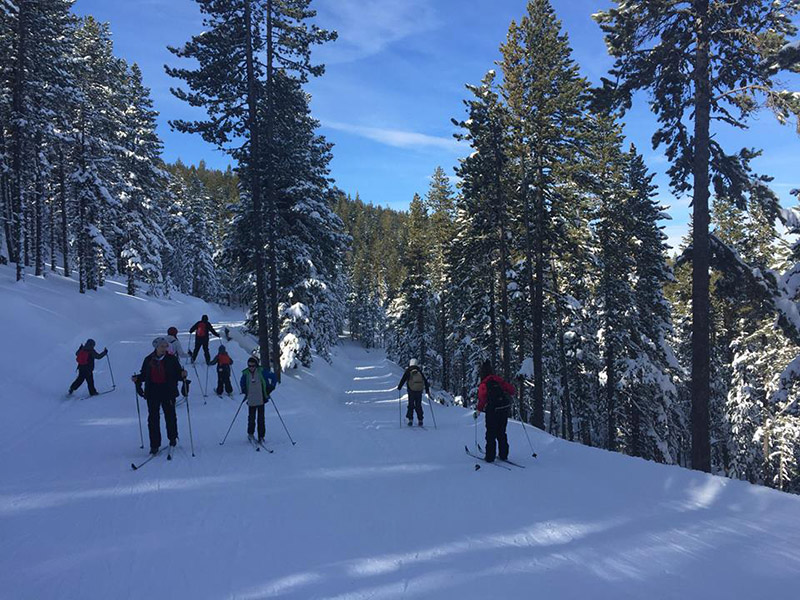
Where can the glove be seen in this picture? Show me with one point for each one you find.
(475, 415)
(139, 391)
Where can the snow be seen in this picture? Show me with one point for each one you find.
(361, 507)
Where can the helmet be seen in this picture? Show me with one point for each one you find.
(412, 362)
(160, 340)
(172, 331)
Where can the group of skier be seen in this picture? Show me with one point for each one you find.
(161, 372)
(494, 399)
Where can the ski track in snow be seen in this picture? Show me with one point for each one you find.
(363, 507)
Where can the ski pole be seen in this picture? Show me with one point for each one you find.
(138, 412)
(189, 417)
(205, 392)
(234, 420)
(433, 414)
(110, 370)
(282, 423)
(400, 409)
(475, 418)
(522, 422)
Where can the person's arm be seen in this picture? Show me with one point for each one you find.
(403, 380)
(427, 385)
(509, 388)
(243, 383)
(100, 355)
(193, 327)
(482, 397)
(214, 360)
(212, 330)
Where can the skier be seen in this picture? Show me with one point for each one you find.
(201, 331)
(257, 384)
(160, 374)
(494, 397)
(223, 362)
(416, 383)
(86, 355)
(175, 346)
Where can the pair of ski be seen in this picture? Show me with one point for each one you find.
(258, 445)
(482, 457)
(170, 450)
(70, 396)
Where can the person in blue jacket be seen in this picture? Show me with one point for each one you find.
(257, 384)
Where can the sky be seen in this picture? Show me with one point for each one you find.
(394, 80)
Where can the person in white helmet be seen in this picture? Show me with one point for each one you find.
(416, 382)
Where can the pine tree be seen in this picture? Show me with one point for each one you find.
(703, 60)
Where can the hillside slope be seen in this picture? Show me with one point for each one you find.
(361, 507)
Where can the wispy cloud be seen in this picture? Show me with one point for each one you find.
(398, 138)
(366, 27)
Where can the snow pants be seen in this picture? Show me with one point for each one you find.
(85, 373)
(224, 380)
(251, 421)
(414, 404)
(496, 439)
(156, 402)
(201, 342)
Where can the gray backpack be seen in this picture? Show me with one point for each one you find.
(416, 382)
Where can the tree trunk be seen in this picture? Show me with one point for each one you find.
(38, 215)
(538, 305)
(62, 190)
(18, 106)
(492, 323)
(255, 190)
(562, 358)
(701, 356)
(273, 208)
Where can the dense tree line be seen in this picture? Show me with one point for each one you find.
(83, 184)
(549, 259)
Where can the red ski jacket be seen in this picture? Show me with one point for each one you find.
(483, 395)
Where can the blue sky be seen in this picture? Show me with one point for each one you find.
(396, 77)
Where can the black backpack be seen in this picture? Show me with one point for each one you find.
(497, 400)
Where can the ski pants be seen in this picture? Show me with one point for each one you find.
(251, 421)
(86, 374)
(161, 400)
(201, 342)
(224, 380)
(414, 404)
(496, 439)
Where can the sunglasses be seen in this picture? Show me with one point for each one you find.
(252, 364)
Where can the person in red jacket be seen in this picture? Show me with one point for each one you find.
(494, 398)
(202, 330)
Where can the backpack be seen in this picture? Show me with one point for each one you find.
(201, 329)
(496, 399)
(82, 356)
(416, 382)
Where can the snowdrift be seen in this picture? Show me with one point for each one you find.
(362, 507)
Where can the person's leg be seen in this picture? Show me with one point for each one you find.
(410, 407)
(154, 421)
(491, 436)
(220, 377)
(502, 438)
(227, 381)
(262, 426)
(90, 382)
(251, 420)
(78, 381)
(205, 350)
(418, 407)
(197, 345)
(170, 419)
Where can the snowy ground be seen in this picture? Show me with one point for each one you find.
(360, 508)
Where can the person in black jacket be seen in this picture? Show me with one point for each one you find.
(202, 330)
(416, 383)
(86, 355)
(158, 383)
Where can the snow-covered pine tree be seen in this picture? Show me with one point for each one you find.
(703, 60)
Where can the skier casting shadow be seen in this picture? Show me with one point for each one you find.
(416, 383)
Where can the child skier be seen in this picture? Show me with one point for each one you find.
(223, 362)
(175, 346)
(494, 397)
(257, 384)
(416, 383)
(86, 355)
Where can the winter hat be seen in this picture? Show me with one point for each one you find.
(172, 331)
(160, 340)
(252, 359)
(222, 348)
(412, 362)
(205, 318)
(89, 343)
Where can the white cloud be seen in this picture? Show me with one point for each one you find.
(366, 27)
(398, 138)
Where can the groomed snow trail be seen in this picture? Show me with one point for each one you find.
(360, 508)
